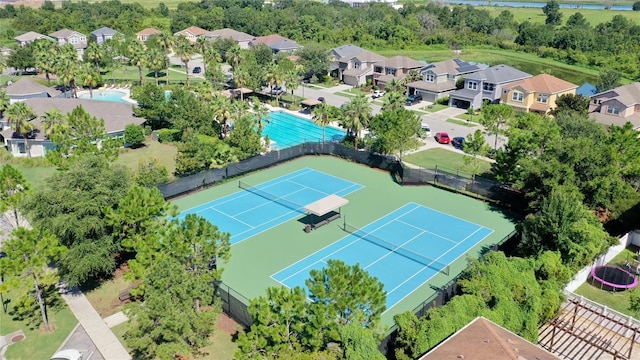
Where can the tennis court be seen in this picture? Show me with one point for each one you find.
(255, 209)
(403, 249)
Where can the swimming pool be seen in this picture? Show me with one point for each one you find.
(106, 95)
(287, 130)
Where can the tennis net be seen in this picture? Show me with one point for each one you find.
(277, 199)
(411, 255)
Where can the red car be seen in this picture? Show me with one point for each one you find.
(442, 138)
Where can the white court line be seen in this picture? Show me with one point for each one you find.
(453, 216)
(427, 231)
(427, 280)
(389, 251)
(357, 238)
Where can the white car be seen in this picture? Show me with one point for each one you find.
(67, 354)
(378, 94)
(427, 130)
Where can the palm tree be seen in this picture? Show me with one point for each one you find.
(261, 112)
(221, 112)
(137, 56)
(167, 42)
(395, 85)
(322, 115)
(90, 77)
(53, 122)
(293, 81)
(210, 57)
(233, 56)
(94, 54)
(20, 116)
(275, 77)
(357, 115)
(240, 78)
(201, 47)
(44, 53)
(184, 50)
(393, 101)
(67, 67)
(156, 60)
(4, 101)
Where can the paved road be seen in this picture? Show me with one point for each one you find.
(436, 121)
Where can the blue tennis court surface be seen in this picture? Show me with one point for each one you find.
(403, 249)
(247, 213)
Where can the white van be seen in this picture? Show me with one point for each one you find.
(426, 129)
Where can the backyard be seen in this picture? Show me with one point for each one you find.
(618, 301)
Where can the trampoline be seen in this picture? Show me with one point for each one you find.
(613, 278)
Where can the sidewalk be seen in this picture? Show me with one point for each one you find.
(104, 339)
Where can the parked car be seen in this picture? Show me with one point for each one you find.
(197, 70)
(458, 142)
(378, 94)
(277, 90)
(427, 130)
(413, 99)
(442, 138)
(67, 354)
(321, 99)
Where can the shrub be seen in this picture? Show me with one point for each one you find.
(444, 101)
(133, 135)
(168, 135)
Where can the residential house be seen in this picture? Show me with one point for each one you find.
(484, 339)
(358, 3)
(29, 37)
(192, 33)
(485, 86)
(116, 117)
(66, 36)
(358, 68)
(144, 34)
(26, 88)
(277, 43)
(536, 94)
(242, 39)
(103, 34)
(439, 79)
(397, 67)
(617, 106)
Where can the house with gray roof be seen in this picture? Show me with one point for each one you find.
(26, 88)
(358, 68)
(103, 34)
(242, 39)
(76, 39)
(345, 50)
(29, 37)
(439, 78)
(485, 86)
(617, 106)
(277, 43)
(116, 117)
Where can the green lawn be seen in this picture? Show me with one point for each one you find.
(164, 153)
(345, 93)
(35, 175)
(444, 159)
(473, 118)
(618, 301)
(535, 15)
(434, 107)
(130, 74)
(523, 61)
(462, 122)
(38, 344)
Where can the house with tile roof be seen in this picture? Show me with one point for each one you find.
(26, 88)
(617, 106)
(536, 94)
(397, 67)
(103, 34)
(144, 34)
(29, 37)
(242, 39)
(192, 33)
(116, 117)
(439, 78)
(485, 86)
(277, 43)
(76, 39)
(484, 339)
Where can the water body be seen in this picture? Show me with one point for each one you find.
(537, 4)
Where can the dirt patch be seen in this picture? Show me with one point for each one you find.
(17, 338)
(227, 324)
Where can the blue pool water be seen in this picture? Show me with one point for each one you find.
(106, 95)
(287, 130)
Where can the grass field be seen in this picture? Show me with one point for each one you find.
(618, 301)
(446, 160)
(164, 153)
(255, 259)
(38, 344)
(130, 74)
(526, 62)
(535, 15)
